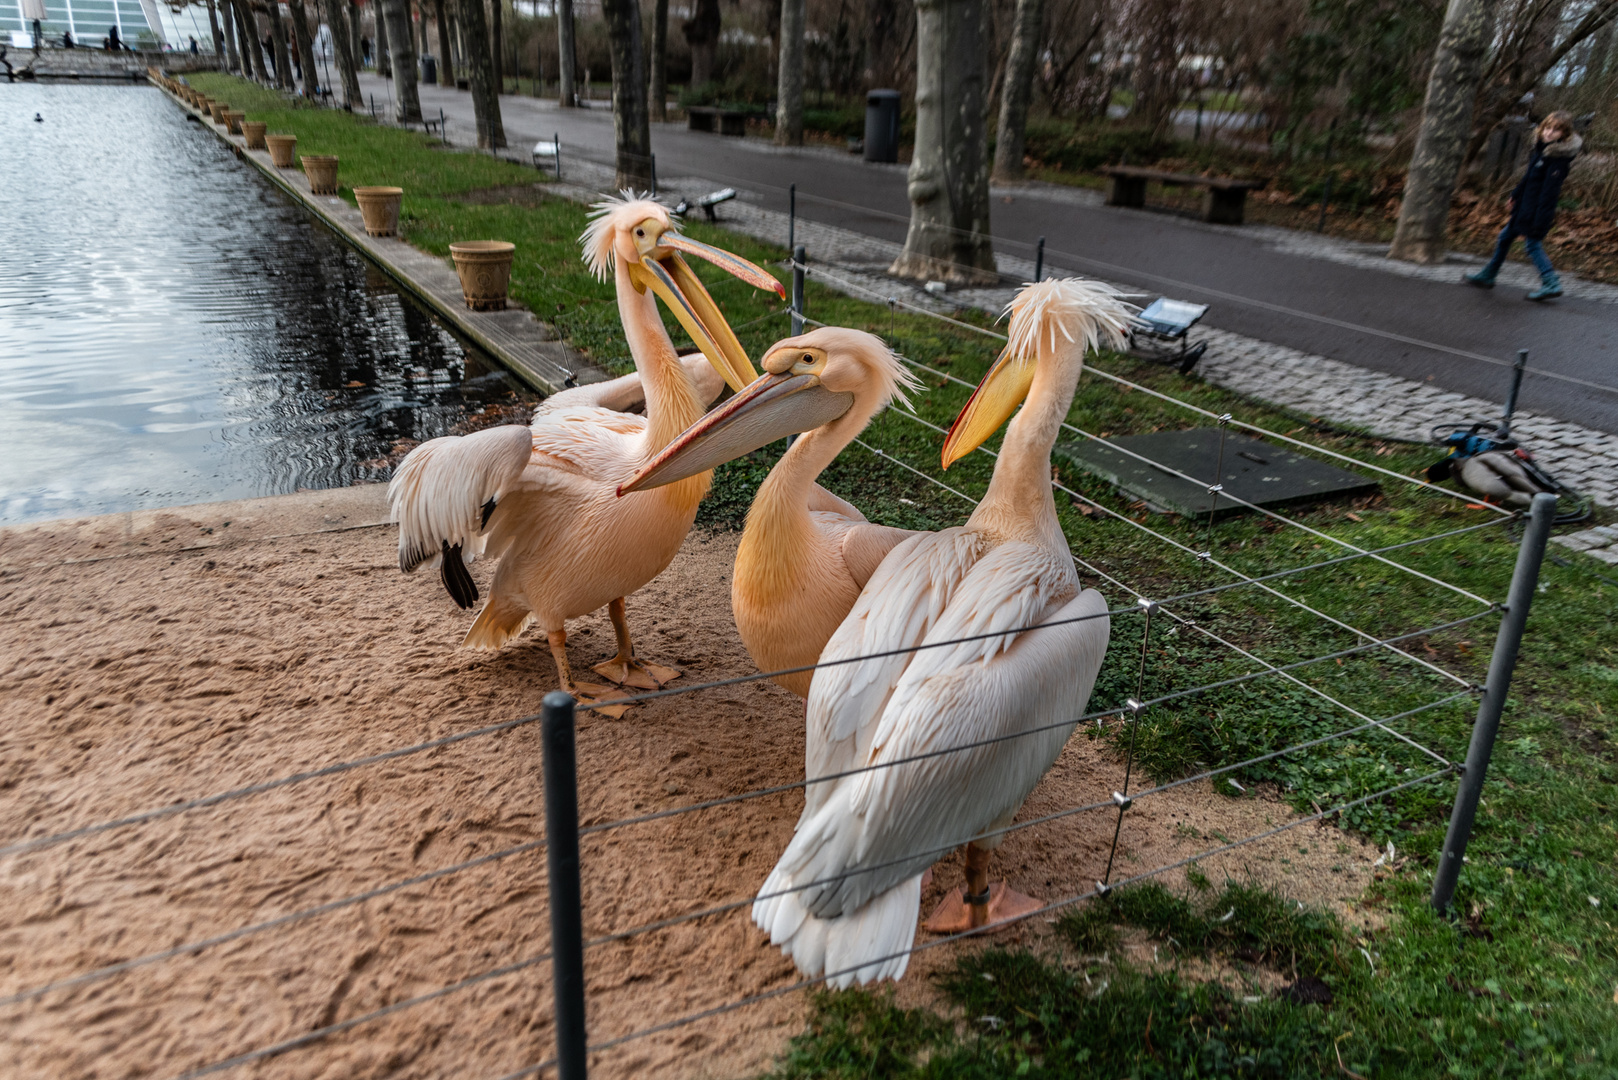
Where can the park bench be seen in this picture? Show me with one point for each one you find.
(706, 203)
(712, 118)
(1227, 198)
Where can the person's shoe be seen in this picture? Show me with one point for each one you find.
(1550, 287)
(1483, 279)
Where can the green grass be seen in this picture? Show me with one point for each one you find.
(1522, 985)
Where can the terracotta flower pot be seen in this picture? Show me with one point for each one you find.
(380, 208)
(254, 131)
(234, 121)
(321, 169)
(484, 267)
(216, 109)
(281, 147)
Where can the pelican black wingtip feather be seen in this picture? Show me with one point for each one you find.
(457, 579)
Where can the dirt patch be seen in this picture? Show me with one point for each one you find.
(155, 657)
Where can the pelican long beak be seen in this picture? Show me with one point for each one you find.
(773, 407)
(991, 404)
(671, 278)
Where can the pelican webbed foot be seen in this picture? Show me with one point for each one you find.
(586, 693)
(977, 903)
(624, 669)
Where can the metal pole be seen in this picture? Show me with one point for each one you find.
(1523, 581)
(1511, 398)
(1039, 261)
(792, 218)
(798, 258)
(562, 853)
(443, 132)
(653, 160)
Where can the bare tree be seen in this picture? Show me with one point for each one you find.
(1010, 139)
(566, 59)
(949, 177)
(789, 82)
(248, 21)
(497, 45)
(384, 63)
(306, 48)
(630, 121)
(337, 19)
(278, 38)
(213, 26)
(446, 62)
(479, 61)
(702, 34)
(889, 30)
(659, 92)
(1446, 123)
(1529, 49)
(402, 57)
(354, 32)
(227, 17)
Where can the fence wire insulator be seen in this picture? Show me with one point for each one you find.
(1134, 707)
(1214, 489)
(1124, 801)
(1204, 555)
(1102, 889)
(1147, 606)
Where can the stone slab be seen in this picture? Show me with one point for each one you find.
(1248, 469)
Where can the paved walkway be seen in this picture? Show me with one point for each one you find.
(1316, 385)
(1319, 296)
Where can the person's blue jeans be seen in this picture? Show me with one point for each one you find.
(1502, 245)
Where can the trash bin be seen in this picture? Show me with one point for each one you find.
(429, 69)
(882, 125)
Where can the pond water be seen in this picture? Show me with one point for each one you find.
(173, 329)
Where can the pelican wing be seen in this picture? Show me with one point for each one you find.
(445, 490)
(626, 394)
(903, 599)
(955, 695)
(866, 545)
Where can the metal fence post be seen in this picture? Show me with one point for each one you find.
(557, 141)
(562, 853)
(792, 218)
(1524, 579)
(1039, 261)
(798, 257)
(1511, 397)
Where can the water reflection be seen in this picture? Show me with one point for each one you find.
(173, 329)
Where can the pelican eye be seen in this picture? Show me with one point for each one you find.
(640, 233)
(808, 358)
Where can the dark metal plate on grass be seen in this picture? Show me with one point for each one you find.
(1258, 472)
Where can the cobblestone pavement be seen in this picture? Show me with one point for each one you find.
(1599, 543)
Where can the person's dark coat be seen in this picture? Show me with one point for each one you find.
(1541, 186)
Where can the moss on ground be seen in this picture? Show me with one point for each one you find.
(1523, 983)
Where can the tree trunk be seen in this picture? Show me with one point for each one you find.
(660, 61)
(497, 45)
(1011, 137)
(355, 33)
(480, 75)
(226, 16)
(254, 45)
(702, 34)
(218, 38)
(402, 56)
(306, 49)
(631, 126)
(883, 30)
(789, 83)
(1446, 123)
(566, 60)
(278, 39)
(446, 64)
(949, 176)
(384, 63)
(337, 19)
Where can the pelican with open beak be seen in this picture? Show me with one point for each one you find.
(805, 553)
(544, 498)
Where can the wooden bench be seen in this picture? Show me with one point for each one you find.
(1225, 205)
(714, 119)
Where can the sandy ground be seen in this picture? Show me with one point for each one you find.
(150, 658)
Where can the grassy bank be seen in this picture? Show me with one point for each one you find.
(1524, 982)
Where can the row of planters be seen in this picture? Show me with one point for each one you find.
(484, 266)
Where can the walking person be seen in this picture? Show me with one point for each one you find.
(1533, 205)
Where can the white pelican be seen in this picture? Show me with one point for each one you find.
(805, 554)
(543, 499)
(844, 897)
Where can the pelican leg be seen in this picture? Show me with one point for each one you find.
(587, 693)
(978, 903)
(624, 669)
